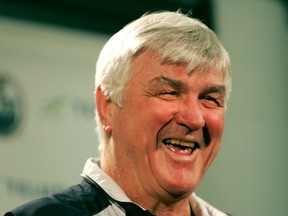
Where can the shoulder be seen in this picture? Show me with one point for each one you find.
(41, 207)
(82, 199)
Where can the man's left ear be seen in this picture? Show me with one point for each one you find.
(103, 106)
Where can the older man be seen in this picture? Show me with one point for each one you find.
(162, 83)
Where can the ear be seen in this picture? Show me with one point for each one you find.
(103, 106)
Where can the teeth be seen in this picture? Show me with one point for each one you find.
(179, 142)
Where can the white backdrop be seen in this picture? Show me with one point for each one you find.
(250, 175)
(52, 71)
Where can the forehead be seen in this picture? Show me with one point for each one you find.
(148, 66)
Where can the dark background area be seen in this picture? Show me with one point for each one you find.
(106, 16)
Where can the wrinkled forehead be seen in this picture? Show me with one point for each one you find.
(151, 57)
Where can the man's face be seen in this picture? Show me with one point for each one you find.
(169, 130)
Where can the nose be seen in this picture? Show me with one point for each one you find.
(190, 115)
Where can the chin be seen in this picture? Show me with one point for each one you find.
(178, 189)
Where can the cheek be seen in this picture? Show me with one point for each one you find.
(215, 125)
(142, 119)
(160, 111)
(150, 118)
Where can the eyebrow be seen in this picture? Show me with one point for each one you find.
(177, 84)
(214, 89)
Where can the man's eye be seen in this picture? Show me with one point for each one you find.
(211, 102)
(169, 93)
(210, 99)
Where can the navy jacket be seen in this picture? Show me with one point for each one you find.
(84, 199)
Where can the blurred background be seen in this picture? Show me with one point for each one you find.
(48, 51)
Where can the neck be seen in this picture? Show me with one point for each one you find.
(163, 204)
(160, 203)
(180, 208)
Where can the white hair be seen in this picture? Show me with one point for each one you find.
(178, 38)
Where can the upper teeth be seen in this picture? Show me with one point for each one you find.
(179, 142)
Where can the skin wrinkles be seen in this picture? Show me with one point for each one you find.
(161, 86)
(181, 87)
(167, 103)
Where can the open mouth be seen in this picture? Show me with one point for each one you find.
(180, 147)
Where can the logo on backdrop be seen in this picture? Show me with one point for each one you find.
(11, 104)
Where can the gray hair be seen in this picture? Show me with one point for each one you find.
(178, 38)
